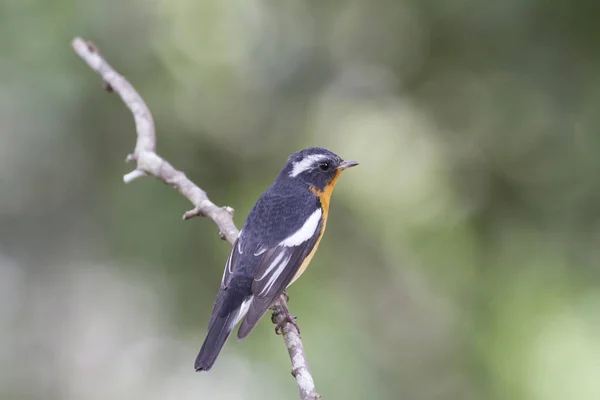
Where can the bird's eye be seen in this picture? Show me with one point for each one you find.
(324, 166)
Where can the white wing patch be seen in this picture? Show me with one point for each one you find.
(305, 232)
(227, 269)
(260, 250)
(306, 163)
(242, 311)
(272, 266)
(228, 266)
(275, 274)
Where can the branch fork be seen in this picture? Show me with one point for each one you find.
(148, 162)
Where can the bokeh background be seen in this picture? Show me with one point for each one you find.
(461, 259)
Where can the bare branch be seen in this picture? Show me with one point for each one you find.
(150, 163)
(291, 335)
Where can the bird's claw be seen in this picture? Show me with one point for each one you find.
(288, 319)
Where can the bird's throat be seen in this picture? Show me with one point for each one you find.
(325, 195)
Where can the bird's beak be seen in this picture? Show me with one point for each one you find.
(347, 164)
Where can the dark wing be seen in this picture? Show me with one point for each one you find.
(233, 261)
(277, 267)
(229, 306)
(230, 266)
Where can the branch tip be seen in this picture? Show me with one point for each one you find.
(91, 47)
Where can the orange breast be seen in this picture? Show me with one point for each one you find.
(325, 194)
(324, 197)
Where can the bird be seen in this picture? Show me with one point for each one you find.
(275, 245)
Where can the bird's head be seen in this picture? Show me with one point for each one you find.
(316, 167)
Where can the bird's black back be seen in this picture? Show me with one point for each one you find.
(281, 210)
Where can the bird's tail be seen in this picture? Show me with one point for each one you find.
(230, 307)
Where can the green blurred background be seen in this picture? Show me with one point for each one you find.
(461, 259)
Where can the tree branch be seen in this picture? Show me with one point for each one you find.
(149, 163)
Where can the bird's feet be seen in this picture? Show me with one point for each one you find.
(288, 318)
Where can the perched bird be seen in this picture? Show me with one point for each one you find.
(274, 247)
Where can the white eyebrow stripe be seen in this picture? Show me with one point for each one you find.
(306, 232)
(306, 163)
